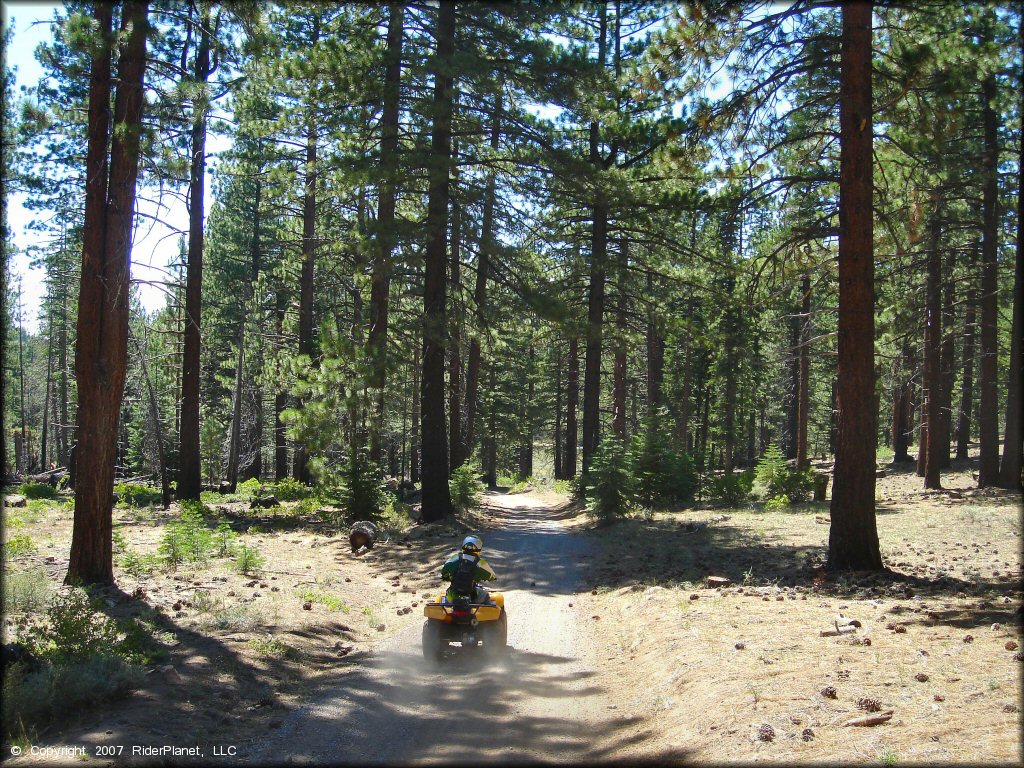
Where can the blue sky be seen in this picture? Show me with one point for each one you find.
(155, 246)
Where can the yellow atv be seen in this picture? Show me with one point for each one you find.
(462, 621)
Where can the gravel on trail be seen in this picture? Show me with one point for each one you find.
(545, 701)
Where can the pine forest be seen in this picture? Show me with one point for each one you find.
(437, 268)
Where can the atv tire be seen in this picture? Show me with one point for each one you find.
(433, 642)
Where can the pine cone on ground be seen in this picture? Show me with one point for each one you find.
(829, 692)
(868, 704)
(765, 732)
(807, 735)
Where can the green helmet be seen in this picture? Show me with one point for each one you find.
(472, 545)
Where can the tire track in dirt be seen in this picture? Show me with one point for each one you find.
(545, 701)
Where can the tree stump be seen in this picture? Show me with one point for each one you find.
(820, 485)
(363, 534)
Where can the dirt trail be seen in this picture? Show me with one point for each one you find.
(545, 701)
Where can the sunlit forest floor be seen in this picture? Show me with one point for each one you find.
(938, 643)
(705, 667)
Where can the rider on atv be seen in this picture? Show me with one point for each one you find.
(465, 569)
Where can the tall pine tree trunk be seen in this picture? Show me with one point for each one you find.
(557, 435)
(300, 467)
(63, 441)
(456, 454)
(189, 461)
(947, 352)
(804, 394)
(572, 399)
(988, 423)
(414, 418)
(932, 351)
(491, 439)
(158, 436)
(46, 397)
(655, 357)
(235, 436)
(437, 501)
(480, 287)
(901, 403)
(619, 360)
(1013, 439)
(281, 397)
(102, 346)
(853, 536)
(595, 294)
(963, 430)
(380, 285)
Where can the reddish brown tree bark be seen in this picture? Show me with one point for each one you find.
(300, 465)
(619, 359)
(963, 430)
(572, 399)
(189, 462)
(456, 453)
(380, 282)
(853, 536)
(101, 352)
(932, 351)
(804, 396)
(595, 293)
(988, 421)
(1013, 439)
(437, 502)
(480, 286)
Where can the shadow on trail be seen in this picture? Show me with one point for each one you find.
(467, 710)
(528, 549)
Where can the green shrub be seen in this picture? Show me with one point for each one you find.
(224, 540)
(26, 591)
(55, 691)
(273, 647)
(395, 517)
(777, 503)
(73, 630)
(577, 488)
(465, 487)
(772, 471)
(187, 538)
(358, 487)
(19, 545)
(609, 482)
(138, 565)
(248, 560)
(332, 602)
(38, 491)
(775, 478)
(662, 474)
(799, 485)
(136, 495)
(250, 487)
(732, 489)
(289, 489)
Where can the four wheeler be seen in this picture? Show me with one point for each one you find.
(472, 625)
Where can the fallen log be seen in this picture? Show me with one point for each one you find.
(363, 534)
(52, 476)
(837, 630)
(876, 719)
